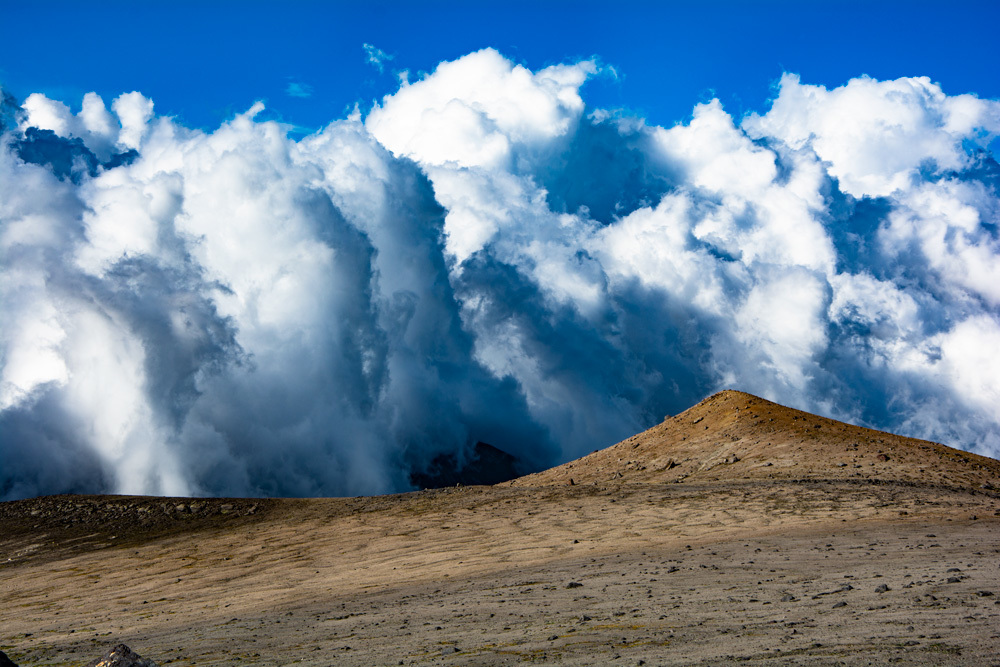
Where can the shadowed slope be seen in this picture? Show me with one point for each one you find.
(735, 436)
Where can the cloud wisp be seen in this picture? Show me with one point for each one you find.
(299, 90)
(481, 257)
(376, 57)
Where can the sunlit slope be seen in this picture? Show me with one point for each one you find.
(734, 436)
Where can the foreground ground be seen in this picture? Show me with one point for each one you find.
(671, 574)
(850, 570)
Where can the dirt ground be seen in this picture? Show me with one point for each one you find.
(726, 564)
(655, 574)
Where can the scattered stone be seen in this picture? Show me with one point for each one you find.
(5, 661)
(984, 594)
(882, 588)
(954, 580)
(584, 618)
(448, 650)
(788, 597)
(574, 584)
(953, 569)
(552, 638)
(122, 656)
(840, 604)
(843, 589)
(882, 457)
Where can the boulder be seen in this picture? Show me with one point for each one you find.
(122, 656)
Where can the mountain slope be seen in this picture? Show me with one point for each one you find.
(733, 436)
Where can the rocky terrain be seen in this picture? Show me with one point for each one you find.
(739, 531)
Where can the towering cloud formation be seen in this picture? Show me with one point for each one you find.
(481, 257)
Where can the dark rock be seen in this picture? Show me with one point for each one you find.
(486, 465)
(882, 588)
(954, 580)
(574, 584)
(5, 661)
(840, 604)
(788, 597)
(122, 656)
(984, 594)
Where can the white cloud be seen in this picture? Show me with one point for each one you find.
(472, 111)
(876, 135)
(236, 312)
(134, 113)
(969, 361)
(46, 114)
(944, 222)
(376, 56)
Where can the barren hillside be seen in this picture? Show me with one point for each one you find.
(773, 537)
(735, 436)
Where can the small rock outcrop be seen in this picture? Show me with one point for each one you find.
(122, 656)
(487, 465)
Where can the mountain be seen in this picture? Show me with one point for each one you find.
(486, 465)
(733, 436)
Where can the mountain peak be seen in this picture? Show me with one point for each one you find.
(733, 436)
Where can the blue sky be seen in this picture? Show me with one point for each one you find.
(205, 61)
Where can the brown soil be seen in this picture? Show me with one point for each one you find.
(631, 564)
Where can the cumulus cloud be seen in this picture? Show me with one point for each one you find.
(481, 257)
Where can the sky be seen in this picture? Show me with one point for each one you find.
(204, 61)
(302, 249)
